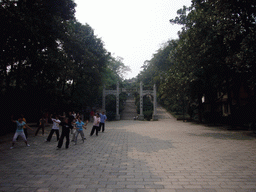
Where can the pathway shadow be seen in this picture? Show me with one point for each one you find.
(225, 136)
(117, 159)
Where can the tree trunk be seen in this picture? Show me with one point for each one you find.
(200, 105)
(230, 120)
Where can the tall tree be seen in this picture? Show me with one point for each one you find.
(215, 53)
(28, 29)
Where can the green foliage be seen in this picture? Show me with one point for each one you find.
(111, 115)
(122, 98)
(147, 106)
(148, 115)
(30, 59)
(111, 104)
(147, 103)
(49, 61)
(215, 53)
(114, 72)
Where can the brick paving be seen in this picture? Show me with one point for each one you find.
(134, 156)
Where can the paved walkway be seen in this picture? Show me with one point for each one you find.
(134, 156)
(162, 114)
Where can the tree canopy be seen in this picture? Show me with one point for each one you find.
(214, 56)
(49, 61)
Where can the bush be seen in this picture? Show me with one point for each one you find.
(214, 117)
(122, 99)
(147, 104)
(111, 115)
(111, 103)
(148, 115)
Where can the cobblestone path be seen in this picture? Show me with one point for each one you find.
(134, 156)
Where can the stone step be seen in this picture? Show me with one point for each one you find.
(129, 111)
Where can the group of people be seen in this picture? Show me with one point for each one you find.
(98, 123)
(71, 123)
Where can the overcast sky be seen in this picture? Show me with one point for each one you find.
(134, 29)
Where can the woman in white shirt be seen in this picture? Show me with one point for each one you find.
(55, 128)
(96, 124)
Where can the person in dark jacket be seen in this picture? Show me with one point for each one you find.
(65, 133)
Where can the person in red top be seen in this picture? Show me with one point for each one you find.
(92, 115)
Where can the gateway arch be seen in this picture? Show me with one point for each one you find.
(142, 94)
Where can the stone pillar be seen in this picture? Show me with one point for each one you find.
(154, 116)
(117, 102)
(141, 116)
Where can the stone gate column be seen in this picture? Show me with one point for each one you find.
(154, 116)
(117, 102)
(141, 116)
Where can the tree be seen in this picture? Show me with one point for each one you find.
(30, 31)
(49, 61)
(28, 28)
(112, 75)
(214, 54)
(212, 40)
(87, 60)
(115, 71)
